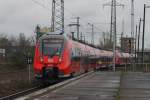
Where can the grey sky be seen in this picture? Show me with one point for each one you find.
(23, 15)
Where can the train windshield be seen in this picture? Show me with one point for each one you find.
(52, 47)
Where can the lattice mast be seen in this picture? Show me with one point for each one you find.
(132, 18)
(57, 24)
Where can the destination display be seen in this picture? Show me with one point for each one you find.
(52, 41)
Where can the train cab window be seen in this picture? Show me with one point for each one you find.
(51, 47)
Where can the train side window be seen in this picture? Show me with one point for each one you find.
(103, 59)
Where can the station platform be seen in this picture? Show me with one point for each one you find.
(98, 86)
(102, 86)
(135, 86)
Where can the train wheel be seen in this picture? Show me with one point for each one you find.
(85, 71)
(44, 74)
(72, 74)
(55, 73)
(95, 69)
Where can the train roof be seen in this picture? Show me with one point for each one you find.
(102, 51)
(52, 36)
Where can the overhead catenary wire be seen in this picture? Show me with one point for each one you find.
(83, 22)
(66, 10)
(40, 4)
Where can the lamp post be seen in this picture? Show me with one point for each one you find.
(139, 34)
(144, 17)
(92, 40)
(136, 44)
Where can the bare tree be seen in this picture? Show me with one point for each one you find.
(4, 42)
(105, 41)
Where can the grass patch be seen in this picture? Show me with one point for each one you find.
(13, 87)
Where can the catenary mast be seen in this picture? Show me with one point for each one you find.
(57, 23)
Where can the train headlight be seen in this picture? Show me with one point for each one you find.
(41, 59)
(60, 59)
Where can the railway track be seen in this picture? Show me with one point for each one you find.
(56, 84)
(21, 93)
(30, 90)
(53, 87)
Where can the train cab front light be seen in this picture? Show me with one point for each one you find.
(60, 59)
(41, 60)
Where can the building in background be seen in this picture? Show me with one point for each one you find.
(127, 44)
(146, 56)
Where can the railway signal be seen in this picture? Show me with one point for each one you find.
(29, 62)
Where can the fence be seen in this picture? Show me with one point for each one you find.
(135, 67)
(17, 75)
(15, 81)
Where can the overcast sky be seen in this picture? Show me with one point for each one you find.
(21, 16)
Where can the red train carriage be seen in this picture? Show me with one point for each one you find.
(57, 55)
(106, 59)
(122, 58)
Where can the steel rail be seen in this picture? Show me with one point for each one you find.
(21, 93)
(40, 87)
(54, 87)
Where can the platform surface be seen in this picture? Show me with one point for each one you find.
(135, 86)
(99, 86)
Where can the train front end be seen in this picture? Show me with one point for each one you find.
(48, 56)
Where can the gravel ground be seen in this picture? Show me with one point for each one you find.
(13, 81)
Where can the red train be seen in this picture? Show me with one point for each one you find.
(57, 56)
